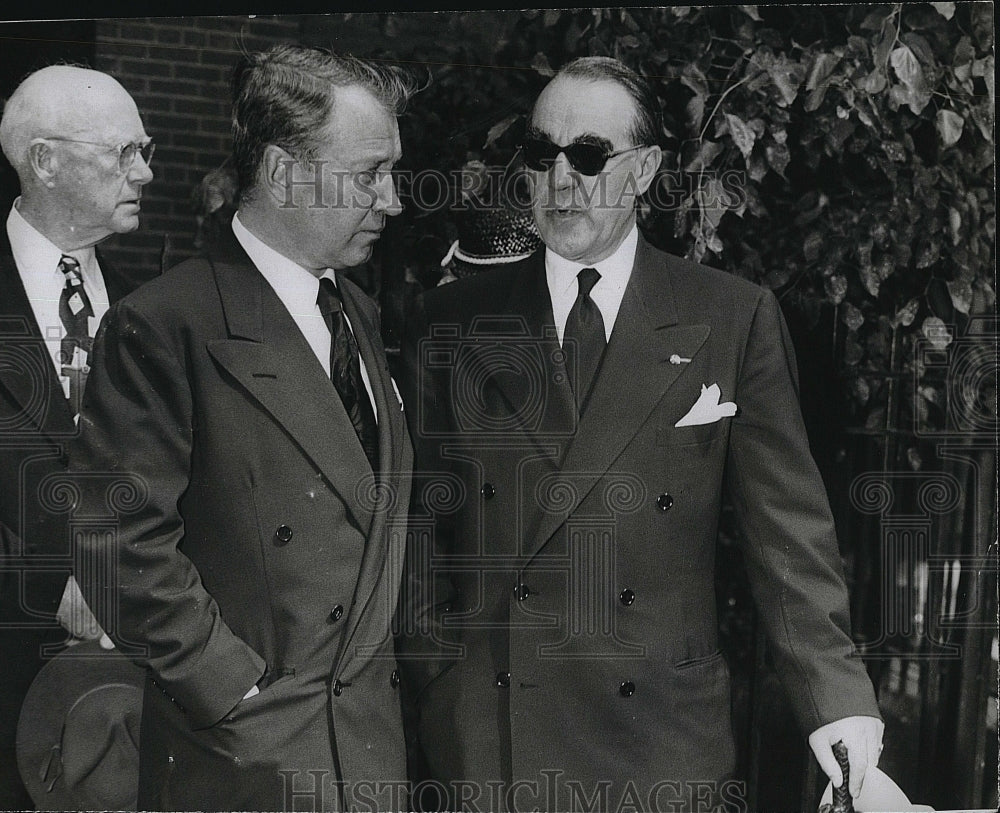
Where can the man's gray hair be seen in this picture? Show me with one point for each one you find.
(285, 96)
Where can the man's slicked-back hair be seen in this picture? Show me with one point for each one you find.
(285, 96)
(646, 126)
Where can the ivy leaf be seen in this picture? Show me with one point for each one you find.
(835, 288)
(743, 136)
(875, 82)
(949, 126)
(499, 129)
(961, 295)
(912, 455)
(778, 157)
(905, 315)
(946, 10)
(915, 94)
(936, 332)
(753, 14)
(707, 152)
(786, 76)
(853, 352)
(812, 246)
(870, 279)
(541, 64)
(820, 69)
(551, 17)
(955, 225)
(694, 112)
(852, 317)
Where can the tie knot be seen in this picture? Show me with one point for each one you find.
(587, 279)
(328, 298)
(69, 266)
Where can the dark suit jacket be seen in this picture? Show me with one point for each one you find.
(36, 424)
(563, 575)
(257, 543)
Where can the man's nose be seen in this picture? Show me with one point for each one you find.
(387, 198)
(562, 173)
(139, 173)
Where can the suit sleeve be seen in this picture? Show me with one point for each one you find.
(790, 545)
(137, 430)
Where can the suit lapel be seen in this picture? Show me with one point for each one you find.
(27, 376)
(635, 374)
(390, 429)
(546, 376)
(267, 354)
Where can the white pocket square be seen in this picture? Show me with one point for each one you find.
(707, 408)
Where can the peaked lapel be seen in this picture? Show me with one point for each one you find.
(269, 356)
(378, 500)
(27, 376)
(634, 376)
(531, 303)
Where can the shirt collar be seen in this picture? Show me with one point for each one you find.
(296, 286)
(32, 249)
(614, 270)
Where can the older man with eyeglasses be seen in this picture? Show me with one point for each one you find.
(584, 411)
(76, 141)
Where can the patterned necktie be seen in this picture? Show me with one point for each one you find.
(74, 312)
(584, 340)
(345, 370)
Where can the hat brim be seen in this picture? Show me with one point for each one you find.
(71, 674)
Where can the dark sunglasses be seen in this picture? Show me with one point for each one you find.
(587, 159)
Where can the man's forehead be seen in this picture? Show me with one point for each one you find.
(583, 109)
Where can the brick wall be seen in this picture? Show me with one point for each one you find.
(177, 70)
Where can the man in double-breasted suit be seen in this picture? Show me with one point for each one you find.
(578, 417)
(248, 402)
(76, 141)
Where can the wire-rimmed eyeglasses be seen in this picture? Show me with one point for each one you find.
(126, 152)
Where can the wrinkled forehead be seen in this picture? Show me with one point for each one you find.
(573, 108)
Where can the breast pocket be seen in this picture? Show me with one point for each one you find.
(669, 435)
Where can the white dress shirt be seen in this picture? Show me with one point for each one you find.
(297, 288)
(37, 261)
(615, 271)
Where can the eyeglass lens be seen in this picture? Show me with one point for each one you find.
(587, 159)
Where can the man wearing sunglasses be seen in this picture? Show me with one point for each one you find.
(587, 408)
(77, 144)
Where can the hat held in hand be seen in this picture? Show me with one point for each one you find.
(78, 734)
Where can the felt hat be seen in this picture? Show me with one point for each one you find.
(878, 793)
(78, 733)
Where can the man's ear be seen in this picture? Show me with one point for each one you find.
(275, 174)
(44, 161)
(649, 162)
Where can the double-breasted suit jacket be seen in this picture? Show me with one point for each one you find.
(258, 544)
(36, 426)
(563, 634)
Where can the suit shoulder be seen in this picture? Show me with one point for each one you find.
(701, 286)
(473, 294)
(184, 288)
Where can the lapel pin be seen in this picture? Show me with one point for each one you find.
(675, 359)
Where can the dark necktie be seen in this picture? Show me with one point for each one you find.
(345, 370)
(74, 311)
(584, 339)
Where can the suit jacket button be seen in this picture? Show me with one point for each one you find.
(521, 592)
(337, 613)
(503, 679)
(627, 596)
(664, 502)
(488, 491)
(394, 678)
(627, 689)
(338, 688)
(282, 536)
